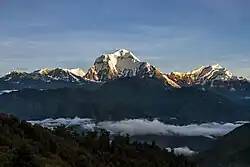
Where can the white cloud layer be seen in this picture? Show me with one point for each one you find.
(145, 127)
(182, 151)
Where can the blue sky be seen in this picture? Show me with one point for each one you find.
(177, 35)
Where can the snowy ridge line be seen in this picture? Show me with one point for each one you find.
(144, 127)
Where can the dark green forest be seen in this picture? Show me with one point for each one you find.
(25, 145)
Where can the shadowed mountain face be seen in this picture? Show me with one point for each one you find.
(232, 149)
(125, 98)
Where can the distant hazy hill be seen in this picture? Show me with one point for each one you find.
(131, 97)
(232, 150)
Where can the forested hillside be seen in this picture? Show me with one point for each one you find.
(25, 145)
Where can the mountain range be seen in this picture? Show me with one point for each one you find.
(120, 86)
(119, 64)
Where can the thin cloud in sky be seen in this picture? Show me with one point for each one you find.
(172, 35)
(81, 46)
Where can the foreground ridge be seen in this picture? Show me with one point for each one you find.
(23, 145)
(233, 149)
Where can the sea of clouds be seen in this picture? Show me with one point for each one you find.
(144, 127)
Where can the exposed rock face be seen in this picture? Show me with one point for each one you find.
(92, 74)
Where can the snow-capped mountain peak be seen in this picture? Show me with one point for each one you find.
(215, 72)
(120, 63)
(122, 53)
(202, 75)
(216, 66)
(210, 67)
(118, 60)
(78, 72)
